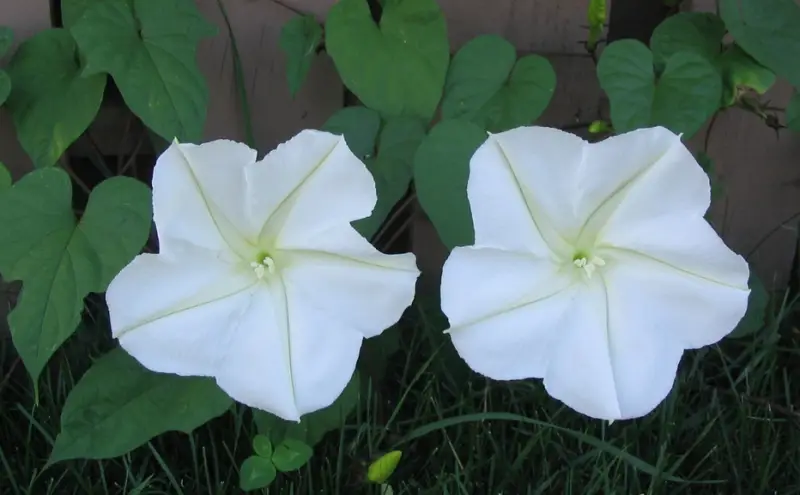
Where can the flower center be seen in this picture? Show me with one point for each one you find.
(587, 262)
(263, 265)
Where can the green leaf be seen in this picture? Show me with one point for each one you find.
(52, 104)
(687, 94)
(767, 30)
(256, 473)
(694, 32)
(742, 72)
(596, 15)
(486, 86)
(119, 405)
(314, 426)
(72, 10)
(707, 164)
(383, 467)
(6, 39)
(5, 178)
(5, 86)
(291, 455)
(441, 170)
(269, 425)
(392, 168)
(359, 126)
(60, 261)
(793, 112)
(755, 317)
(398, 68)
(262, 446)
(149, 49)
(299, 40)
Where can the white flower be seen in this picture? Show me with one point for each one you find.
(592, 268)
(261, 282)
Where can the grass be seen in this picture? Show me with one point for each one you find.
(728, 427)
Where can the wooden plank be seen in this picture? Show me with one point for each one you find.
(276, 116)
(540, 26)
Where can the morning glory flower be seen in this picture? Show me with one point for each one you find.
(260, 280)
(593, 267)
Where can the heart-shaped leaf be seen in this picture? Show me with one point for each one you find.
(392, 168)
(256, 473)
(52, 103)
(149, 48)
(59, 260)
(359, 126)
(262, 446)
(767, 30)
(299, 40)
(687, 94)
(119, 405)
(441, 170)
(696, 32)
(487, 85)
(397, 68)
(741, 72)
(291, 454)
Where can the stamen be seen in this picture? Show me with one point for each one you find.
(267, 265)
(589, 265)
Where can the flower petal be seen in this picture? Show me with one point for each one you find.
(694, 309)
(655, 176)
(344, 275)
(171, 314)
(306, 185)
(257, 364)
(198, 196)
(546, 163)
(504, 310)
(611, 361)
(500, 215)
(288, 357)
(325, 350)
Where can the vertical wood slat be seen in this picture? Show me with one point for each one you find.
(276, 116)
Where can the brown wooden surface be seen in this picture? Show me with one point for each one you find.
(760, 173)
(276, 116)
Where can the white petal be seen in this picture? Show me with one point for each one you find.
(692, 310)
(287, 356)
(257, 367)
(325, 350)
(306, 185)
(171, 314)
(611, 360)
(546, 164)
(346, 276)
(655, 176)
(500, 215)
(616, 168)
(199, 196)
(504, 310)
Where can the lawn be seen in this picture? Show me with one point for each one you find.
(728, 427)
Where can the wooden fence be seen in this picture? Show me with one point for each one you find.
(760, 170)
